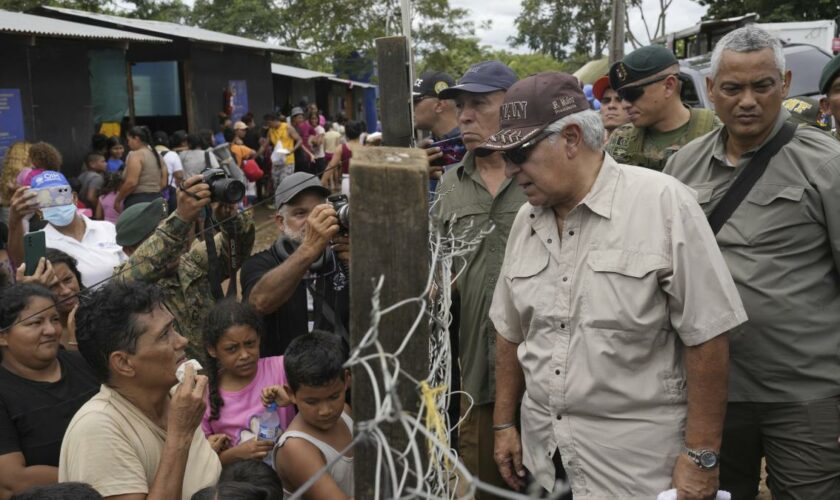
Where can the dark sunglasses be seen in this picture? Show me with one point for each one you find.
(633, 93)
(519, 155)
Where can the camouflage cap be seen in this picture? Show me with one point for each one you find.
(829, 73)
(806, 110)
(640, 64)
(138, 221)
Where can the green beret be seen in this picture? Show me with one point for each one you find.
(640, 64)
(829, 73)
(138, 221)
(805, 110)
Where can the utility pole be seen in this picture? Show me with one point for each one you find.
(617, 31)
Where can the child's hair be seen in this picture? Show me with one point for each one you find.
(255, 473)
(60, 491)
(353, 129)
(113, 181)
(91, 157)
(231, 491)
(44, 155)
(224, 315)
(315, 359)
(113, 142)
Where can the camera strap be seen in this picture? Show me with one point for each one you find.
(213, 267)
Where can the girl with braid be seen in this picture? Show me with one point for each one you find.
(237, 379)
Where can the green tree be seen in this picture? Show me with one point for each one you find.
(773, 10)
(88, 5)
(174, 11)
(554, 27)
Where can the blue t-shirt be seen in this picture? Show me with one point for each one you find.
(114, 165)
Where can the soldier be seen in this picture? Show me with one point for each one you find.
(613, 114)
(163, 255)
(647, 80)
(830, 86)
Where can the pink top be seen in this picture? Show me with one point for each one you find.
(108, 212)
(239, 417)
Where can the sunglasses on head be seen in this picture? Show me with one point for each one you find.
(634, 92)
(520, 154)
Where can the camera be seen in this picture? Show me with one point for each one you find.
(341, 205)
(223, 188)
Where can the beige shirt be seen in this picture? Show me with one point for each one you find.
(782, 246)
(601, 315)
(112, 446)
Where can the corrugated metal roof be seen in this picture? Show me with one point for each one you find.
(295, 72)
(27, 24)
(354, 83)
(172, 29)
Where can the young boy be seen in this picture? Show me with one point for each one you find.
(323, 428)
(92, 179)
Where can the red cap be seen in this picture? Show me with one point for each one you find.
(600, 86)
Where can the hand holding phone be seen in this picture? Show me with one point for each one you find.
(34, 249)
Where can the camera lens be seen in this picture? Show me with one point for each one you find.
(228, 190)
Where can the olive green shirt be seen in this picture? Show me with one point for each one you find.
(782, 246)
(467, 208)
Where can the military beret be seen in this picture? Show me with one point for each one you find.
(639, 64)
(138, 221)
(806, 110)
(829, 73)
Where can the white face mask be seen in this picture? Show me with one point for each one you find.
(60, 216)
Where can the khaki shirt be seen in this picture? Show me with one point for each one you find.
(466, 208)
(111, 445)
(600, 315)
(782, 246)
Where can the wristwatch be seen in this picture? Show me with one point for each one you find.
(705, 459)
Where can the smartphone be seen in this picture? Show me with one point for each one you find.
(54, 196)
(34, 247)
(453, 150)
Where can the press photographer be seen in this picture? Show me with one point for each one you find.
(301, 282)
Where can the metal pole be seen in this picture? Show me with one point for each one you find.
(617, 31)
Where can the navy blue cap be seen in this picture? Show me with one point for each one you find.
(481, 78)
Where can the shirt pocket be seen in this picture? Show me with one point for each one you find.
(774, 214)
(622, 291)
(530, 287)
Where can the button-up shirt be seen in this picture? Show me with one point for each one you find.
(466, 208)
(782, 246)
(600, 314)
(96, 255)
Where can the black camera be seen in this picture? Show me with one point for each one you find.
(223, 188)
(341, 205)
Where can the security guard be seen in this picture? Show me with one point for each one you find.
(647, 81)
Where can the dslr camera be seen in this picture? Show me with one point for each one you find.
(341, 205)
(222, 187)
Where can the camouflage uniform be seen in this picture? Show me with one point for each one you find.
(186, 290)
(627, 143)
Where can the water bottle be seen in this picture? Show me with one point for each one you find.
(269, 429)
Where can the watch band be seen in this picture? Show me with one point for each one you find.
(705, 459)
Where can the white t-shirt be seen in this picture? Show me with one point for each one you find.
(173, 162)
(96, 255)
(317, 151)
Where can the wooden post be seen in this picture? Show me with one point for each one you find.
(389, 237)
(394, 91)
(617, 31)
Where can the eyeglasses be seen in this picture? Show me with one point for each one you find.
(519, 155)
(633, 93)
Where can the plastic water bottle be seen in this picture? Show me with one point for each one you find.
(269, 429)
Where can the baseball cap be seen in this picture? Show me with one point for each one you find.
(640, 64)
(138, 221)
(296, 111)
(805, 110)
(431, 83)
(240, 126)
(531, 105)
(829, 73)
(481, 78)
(294, 184)
(47, 179)
(600, 86)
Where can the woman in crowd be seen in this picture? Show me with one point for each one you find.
(15, 160)
(41, 387)
(145, 172)
(116, 150)
(237, 377)
(67, 286)
(337, 175)
(42, 156)
(316, 141)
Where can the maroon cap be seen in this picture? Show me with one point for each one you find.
(600, 86)
(533, 104)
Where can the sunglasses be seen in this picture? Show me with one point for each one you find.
(633, 93)
(519, 155)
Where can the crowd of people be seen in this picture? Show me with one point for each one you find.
(652, 309)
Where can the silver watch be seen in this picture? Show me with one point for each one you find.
(705, 459)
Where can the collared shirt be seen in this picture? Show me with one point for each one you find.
(782, 246)
(96, 254)
(466, 208)
(600, 314)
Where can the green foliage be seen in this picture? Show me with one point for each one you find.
(105, 6)
(456, 61)
(554, 26)
(774, 10)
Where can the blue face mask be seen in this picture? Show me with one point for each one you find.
(59, 216)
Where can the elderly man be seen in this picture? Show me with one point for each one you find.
(163, 254)
(613, 114)
(133, 440)
(300, 282)
(611, 310)
(647, 81)
(782, 246)
(830, 86)
(475, 197)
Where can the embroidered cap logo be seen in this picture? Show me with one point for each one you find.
(515, 110)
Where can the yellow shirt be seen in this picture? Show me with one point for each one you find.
(281, 135)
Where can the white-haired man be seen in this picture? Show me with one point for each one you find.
(782, 246)
(611, 310)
